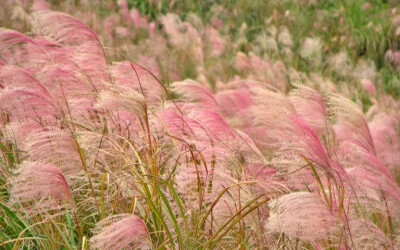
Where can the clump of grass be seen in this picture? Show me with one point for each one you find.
(99, 155)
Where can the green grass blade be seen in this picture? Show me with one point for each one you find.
(71, 229)
(64, 237)
(318, 179)
(17, 223)
(161, 219)
(9, 154)
(171, 216)
(180, 205)
(211, 243)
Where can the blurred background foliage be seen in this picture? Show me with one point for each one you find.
(341, 24)
(365, 30)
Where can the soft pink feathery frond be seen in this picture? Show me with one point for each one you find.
(44, 184)
(172, 25)
(62, 79)
(122, 32)
(267, 178)
(242, 62)
(217, 43)
(15, 77)
(278, 75)
(308, 141)
(292, 141)
(25, 104)
(201, 129)
(108, 24)
(77, 39)
(309, 104)
(24, 97)
(116, 97)
(151, 64)
(258, 65)
(40, 5)
(21, 50)
(273, 102)
(247, 145)
(194, 92)
(239, 83)
(302, 215)
(356, 152)
(263, 70)
(375, 177)
(152, 28)
(234, 106)
(383, 129)
(124, 10)
(367, 189)
(90, 64)
(16, 132)
(136, 77)
(206, 126)
(233, 101)
(182, 35)
(54, 146)
(271, 111)
(366, 235)
(206, 143)
(293, 169)
(343, 111)
(135, 17)
(179, 120)
(301, 151)
(214, 123)
(121, 232)
(63, 28)
(73, 95)
(260, 171)
(368, 86)
(139, 21)
(176, 124)
(10, 38)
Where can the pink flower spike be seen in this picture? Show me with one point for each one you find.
(366, 6)
(152, 27)
(302, 215)
(43, 184)
(40, 5)
(368, 86)
(194, 92)
(121, 232)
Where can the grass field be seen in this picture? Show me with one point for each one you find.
(242, 124)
